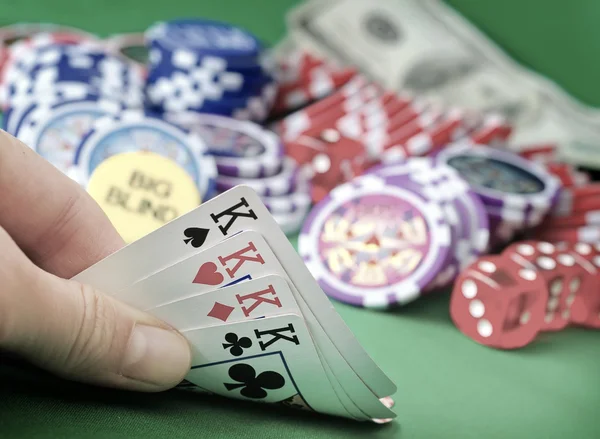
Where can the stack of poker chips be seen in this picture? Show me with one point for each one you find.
(517, 193)
(53, 69)
(394, 234)
(248, 154)
(505, 301)
(208, 67)
(576, 215)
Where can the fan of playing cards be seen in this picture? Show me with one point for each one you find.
(260, 327)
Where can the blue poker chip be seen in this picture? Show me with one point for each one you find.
(207, 37)
(55, 131)
(65, 92)
(73, 65)
(138, 131)
(208, 67)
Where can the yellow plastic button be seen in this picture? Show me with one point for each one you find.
(141, 191)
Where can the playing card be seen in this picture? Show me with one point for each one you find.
(237, 209)
(265, 296)
(241, 257)
(268, 360)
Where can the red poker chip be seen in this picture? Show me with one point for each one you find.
(498, 303)
(587, 234)
(309, 81)
(360, 101)
(493, 130)
(567, 174)
(445, 129)
(591, 218)
(295, 65)
(328, 160)
(292, 126)
(587, 190)
(541, 153)
(577, 199)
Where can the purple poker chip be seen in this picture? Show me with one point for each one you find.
(282, 183)
(291, 222)
(505, 224)
(374, 244)
(463, 209)
(240, 148)
(501, 178)
(298, 200)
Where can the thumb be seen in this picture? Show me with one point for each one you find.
(79, 333)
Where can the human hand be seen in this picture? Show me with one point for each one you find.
(50, 229)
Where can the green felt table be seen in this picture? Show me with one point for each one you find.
(449, 387)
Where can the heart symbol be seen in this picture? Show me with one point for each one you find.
(208, 274)
(196, 236)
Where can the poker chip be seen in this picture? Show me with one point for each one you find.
(462, 209)
(298, 200)
(291, 222)
(130, 46)
(590, 218)
(50, 69)
(208, 67)
(11, 35)
(208, 37)
(133, 131)
(492, 130)
(374, 244)
(587, 234)
(141, 191)
(304, 78)
(240, 148)
(501, 178)
(281, 183)
(569, 204)
(55, 131)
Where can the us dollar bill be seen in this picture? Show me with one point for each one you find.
(426, 48)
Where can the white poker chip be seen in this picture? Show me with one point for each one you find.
(136, 131)
(55, 131)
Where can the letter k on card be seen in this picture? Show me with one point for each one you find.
(242, 257)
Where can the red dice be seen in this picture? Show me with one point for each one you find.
(499, 303)
(585, 309)
(565, 278)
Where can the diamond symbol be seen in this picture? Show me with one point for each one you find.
(220, 311)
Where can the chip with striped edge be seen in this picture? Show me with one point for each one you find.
(373, 244)
(132, 131)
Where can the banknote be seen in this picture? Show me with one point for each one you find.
(426, 48)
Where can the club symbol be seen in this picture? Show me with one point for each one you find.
(195, 236)
(253, 386)
(235, 344)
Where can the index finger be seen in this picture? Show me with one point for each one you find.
(52, 219)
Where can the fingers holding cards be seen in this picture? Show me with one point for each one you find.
(262, 329)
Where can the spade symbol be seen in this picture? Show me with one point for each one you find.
(195, 236)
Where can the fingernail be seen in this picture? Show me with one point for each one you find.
(156, 356)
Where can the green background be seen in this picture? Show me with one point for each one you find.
(449, 387)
